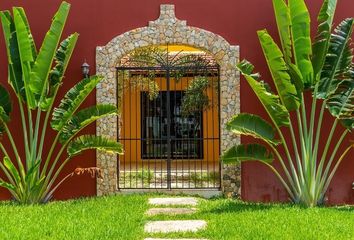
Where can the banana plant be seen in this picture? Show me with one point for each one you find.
(35, 77)
(323, 66)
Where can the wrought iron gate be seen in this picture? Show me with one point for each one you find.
(169, 121)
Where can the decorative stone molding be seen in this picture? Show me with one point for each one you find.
(167, 29)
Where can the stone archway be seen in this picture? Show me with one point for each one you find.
(167, 29)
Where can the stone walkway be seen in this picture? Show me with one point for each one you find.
(183, 206)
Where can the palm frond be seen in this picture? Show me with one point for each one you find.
(62, 58)
(72, 101)
(87, 142)
(279, 70)
(252, 125)
(270, 101)
(247, 152)
(320, 46)
(85, 117)
(300, 32)
(338, 59)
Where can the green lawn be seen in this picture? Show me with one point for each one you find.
(122, 217)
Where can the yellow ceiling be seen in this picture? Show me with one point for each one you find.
(177, 48)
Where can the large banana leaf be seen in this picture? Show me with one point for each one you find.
(247, 152)
(56, 75)
(252, 125)
(341, 103)
(72, 101)
(320, 46)
(15, 69)
(276, 111)
(282, 16)
(43, 63)
(87, 142)
(3, 119)
(25, 46)
(5, 100)
(300, 31)
(296, 79)
(85, 117)
(32, 44)
(338, 60)
(348, 123)
(277, 66)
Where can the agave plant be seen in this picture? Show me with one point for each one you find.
(35, 78)
(325, 68)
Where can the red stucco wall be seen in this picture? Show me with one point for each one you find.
(236, 20)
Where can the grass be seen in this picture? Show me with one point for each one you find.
(118, 217)
(122, 217)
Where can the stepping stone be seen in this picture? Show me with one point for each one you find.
(174, 201)
(174, 226)
(170, 211)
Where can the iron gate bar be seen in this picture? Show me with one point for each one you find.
(160, 70)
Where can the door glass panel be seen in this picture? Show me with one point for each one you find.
(186, 131)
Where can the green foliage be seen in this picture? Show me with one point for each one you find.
(279, 70)
(338, 61)
(85, 117)
(252, 125)
(326, 70)
(31, 178)
(85, 218)
(196, 98)
(282, 15)
(341, 102)
(278, 112)
(320, 46)
(5, 101)
(72, 101)
(86, 142)
(301, 39)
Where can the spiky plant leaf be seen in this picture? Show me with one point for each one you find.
(247, 152)
(338, 59)
(87, 142)
(282, 16)
(44, 60)
(85, 117)
(279, 70)
(15, 69)
(72, 101)
(252, 125)
(320, 46)
(300, 31)
(341, 103)
(62, 58)
(270, 102)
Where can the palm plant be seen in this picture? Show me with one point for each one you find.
(326, 69)
(33, 178)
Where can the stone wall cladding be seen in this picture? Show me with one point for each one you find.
(167, 29)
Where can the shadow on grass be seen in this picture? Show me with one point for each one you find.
(237, 206)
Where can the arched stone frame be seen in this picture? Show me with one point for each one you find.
(167, 29)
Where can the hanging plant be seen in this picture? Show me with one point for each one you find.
(196, 98)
